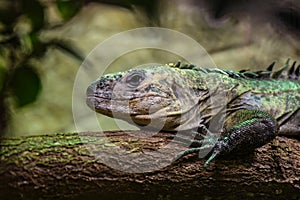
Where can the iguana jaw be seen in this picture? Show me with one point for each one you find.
(165, 118)
(131, 108)
(154, 99)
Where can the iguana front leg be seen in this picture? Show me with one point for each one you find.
(243, 131)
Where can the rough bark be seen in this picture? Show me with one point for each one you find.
(60, 166)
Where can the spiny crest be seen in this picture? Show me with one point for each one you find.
(181, 65)
(288, 71)
(229, 73)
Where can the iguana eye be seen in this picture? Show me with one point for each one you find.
(134, 79)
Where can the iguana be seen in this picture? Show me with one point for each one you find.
(231, 112)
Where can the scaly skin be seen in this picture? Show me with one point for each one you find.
(231, 112)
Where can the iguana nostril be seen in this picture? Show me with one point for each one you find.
(101, 85)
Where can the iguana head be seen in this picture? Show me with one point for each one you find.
(153, 95)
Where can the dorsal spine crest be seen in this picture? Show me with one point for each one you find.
(291, 72)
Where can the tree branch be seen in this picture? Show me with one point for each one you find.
(61, 166)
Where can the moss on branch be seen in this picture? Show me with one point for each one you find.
(61, 166)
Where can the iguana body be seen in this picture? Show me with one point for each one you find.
(231, 111)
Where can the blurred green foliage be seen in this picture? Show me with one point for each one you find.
(68, 9)
(26, 85)
(21, 23)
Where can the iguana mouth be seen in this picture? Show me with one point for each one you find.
(160, 118)
(106, 105)
(119, 105)
(125, 99)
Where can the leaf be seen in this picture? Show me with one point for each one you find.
(25, 85)
(68, 8)
(35, 12)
